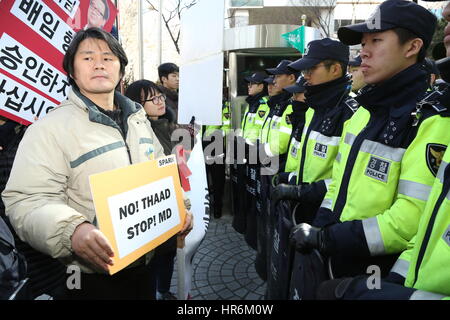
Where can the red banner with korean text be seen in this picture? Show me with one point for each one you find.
(34, 36)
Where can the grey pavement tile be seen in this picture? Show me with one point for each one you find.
(218, 287)
(233, 285)
(253, 296)
(226, 294)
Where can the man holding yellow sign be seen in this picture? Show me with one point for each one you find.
(48, 198)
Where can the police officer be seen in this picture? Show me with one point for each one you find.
(330, 106)
(390, 150)
(279, 225)
(271, 150)
(252, 201)
(422, 264)
(327, 95)
(244, 188)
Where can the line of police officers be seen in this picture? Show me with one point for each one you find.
(329, 185)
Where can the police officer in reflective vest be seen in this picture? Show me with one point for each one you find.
(271, 150)
(330, 106)
(279, 224)
(423, 263)
(327, 94)
(390, 149)
(250, 127)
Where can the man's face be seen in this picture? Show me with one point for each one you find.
(273, 90)
(172, 81)
(446, 16)
(96, 68)
(318, 74)
(382, 56)
(357, 78)
(300, 96)
(254, 88)
(96, 13)
(282, 81)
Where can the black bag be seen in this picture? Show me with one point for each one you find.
(13, 266)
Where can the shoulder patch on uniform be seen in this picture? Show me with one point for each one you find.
(352, 104)
(261, 113)
(434, 154)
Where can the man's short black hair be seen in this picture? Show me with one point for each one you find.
(404, 35)
(329, 63)
(167, 68)
(94, 33)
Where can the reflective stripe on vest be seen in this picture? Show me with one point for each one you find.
(373, 236)
(425, 295)
(401, 267)
(381, 150)
(330, 141)
(327, 203)
(414, 189)
(327, 183)
(338, 157)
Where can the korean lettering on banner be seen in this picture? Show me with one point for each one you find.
(21, 102)
(38, 16)
(68, 6)
(29, 67)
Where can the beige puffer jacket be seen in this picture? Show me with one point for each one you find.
(48, 193)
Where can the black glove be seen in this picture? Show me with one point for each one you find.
(286, 192)
(307, 237)
(281, 177)
(333, 289)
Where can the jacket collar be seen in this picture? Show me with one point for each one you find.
(127, 106)
(398, 95)
(253, 101)
(279, 99)
(327, 95)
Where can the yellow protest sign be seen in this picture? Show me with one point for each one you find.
(138, 207)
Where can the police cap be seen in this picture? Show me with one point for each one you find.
(298, 87)
(281, 68)
(257, 77)
(392, 14)
(269, 80)
(320, 50)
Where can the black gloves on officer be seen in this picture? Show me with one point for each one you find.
(286, 192)
(306, 237)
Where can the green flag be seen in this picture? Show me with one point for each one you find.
(296, 38)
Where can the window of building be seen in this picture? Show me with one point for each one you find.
(247, 3)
